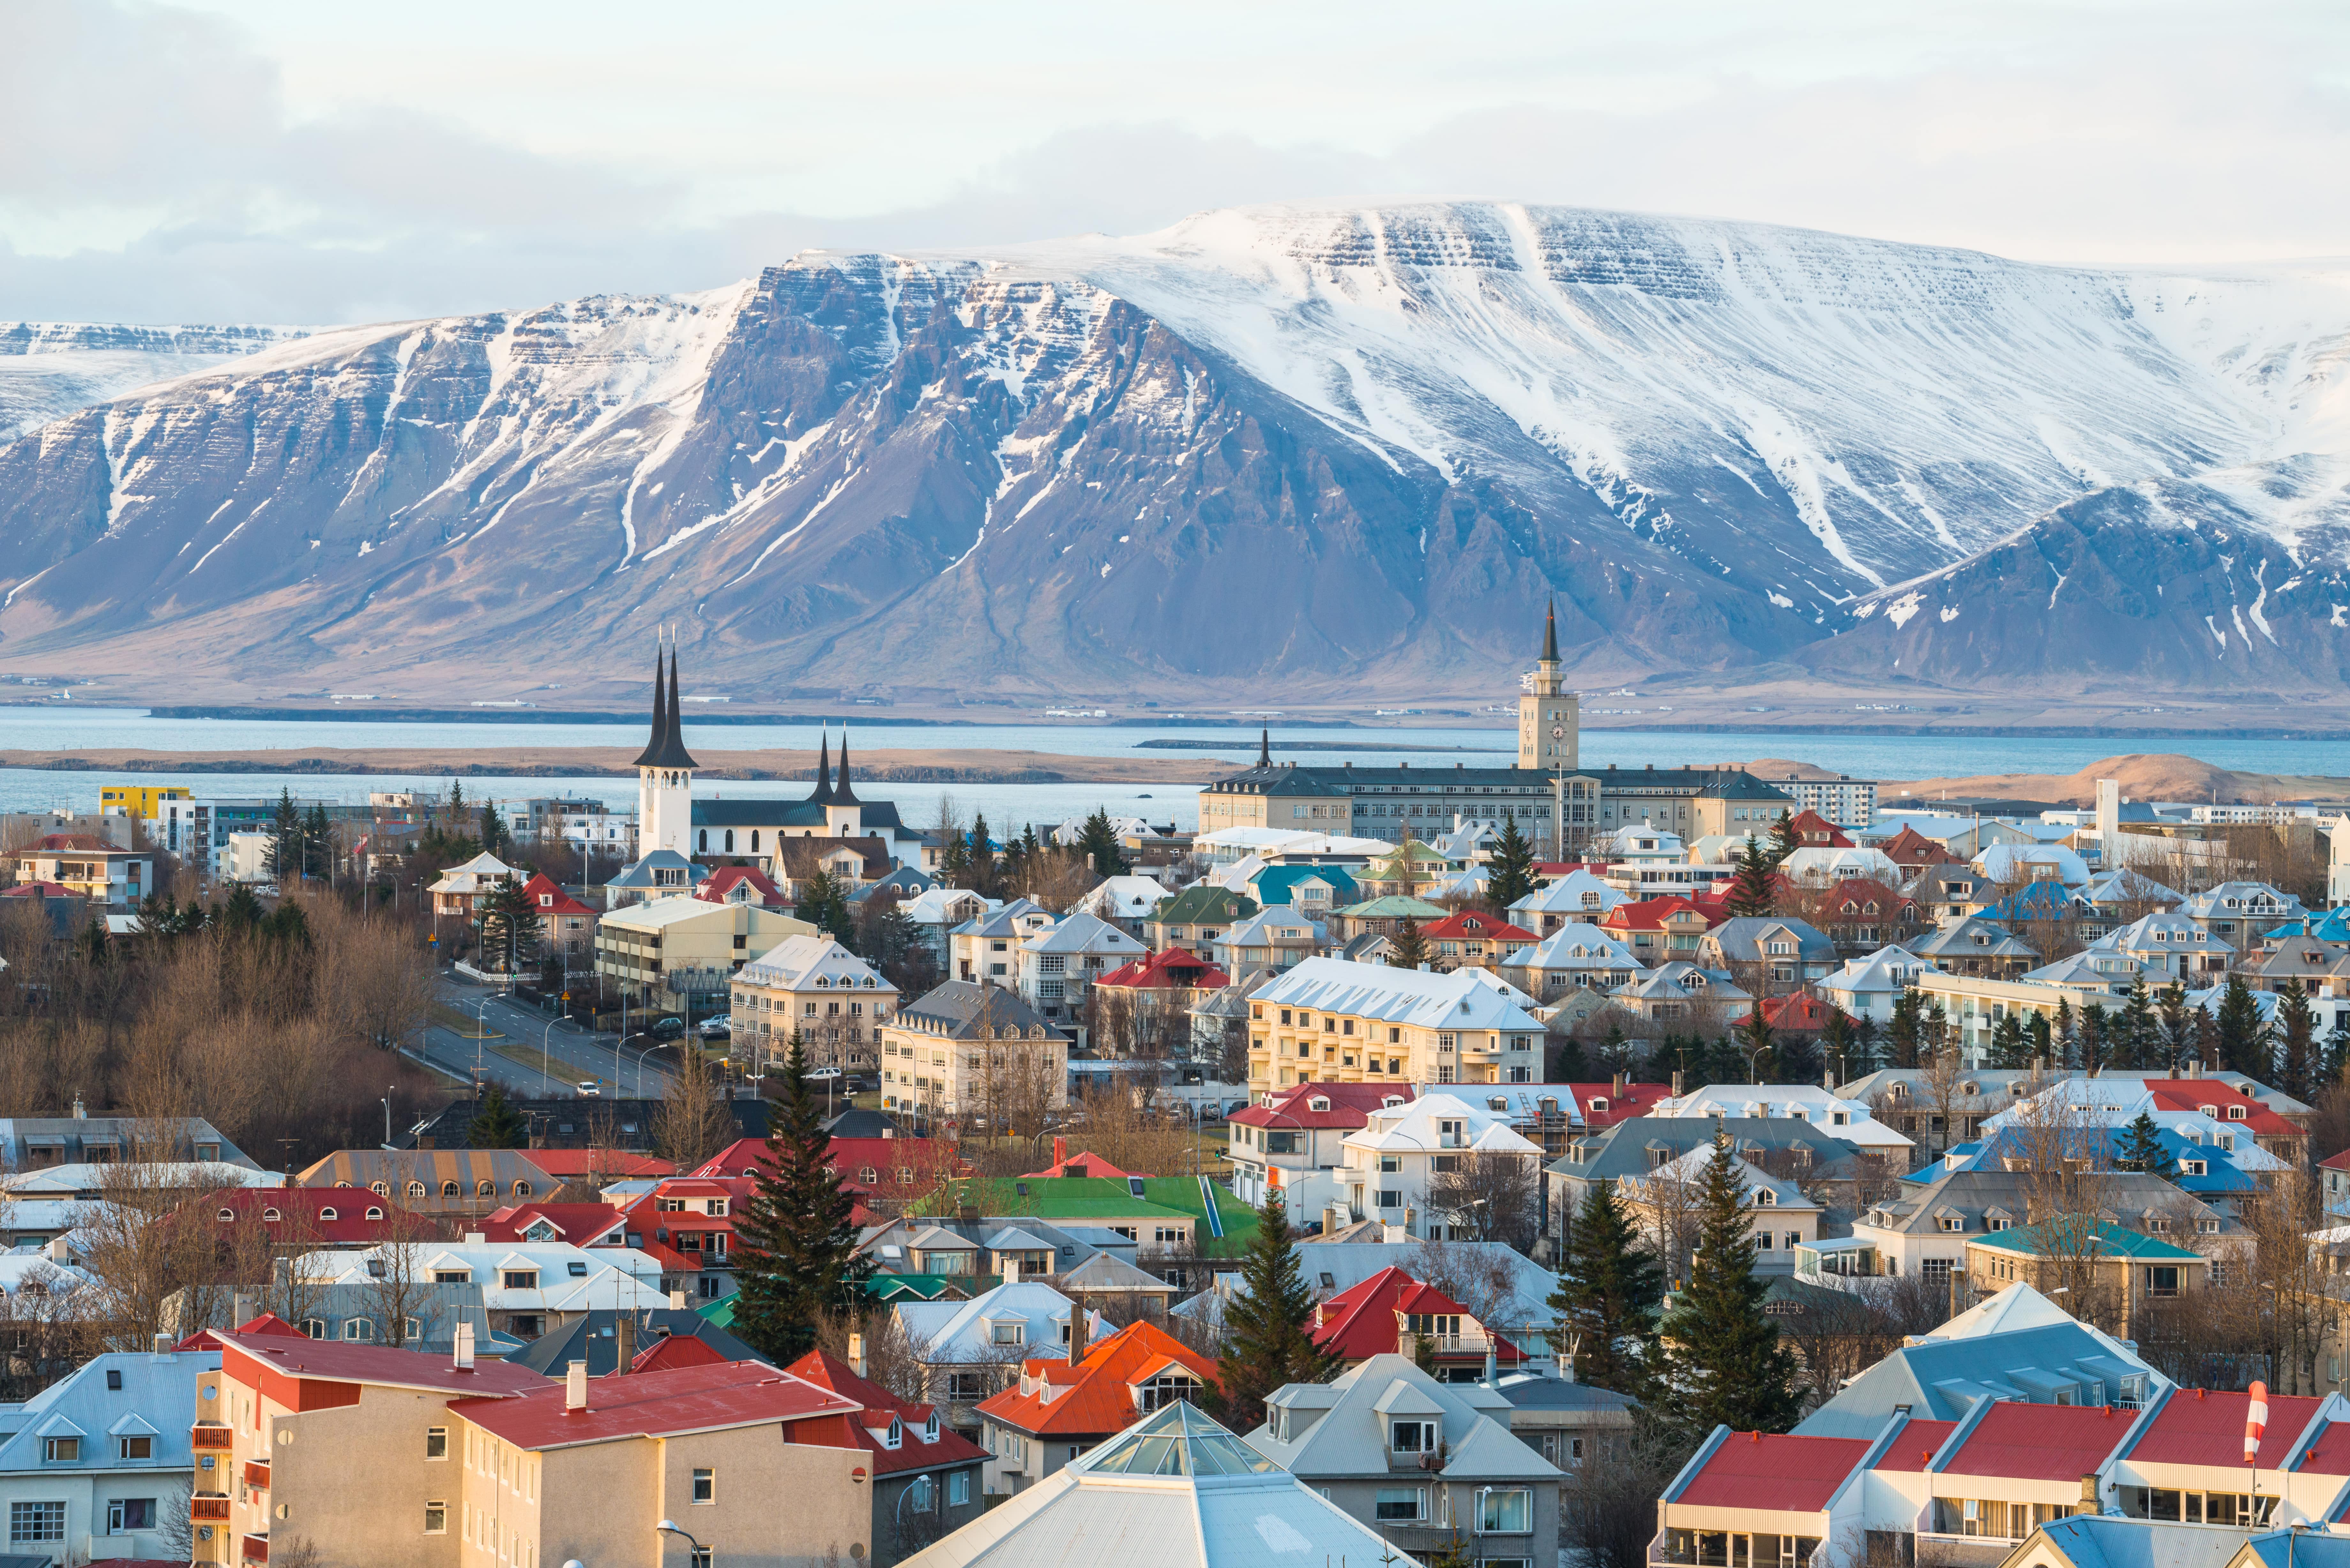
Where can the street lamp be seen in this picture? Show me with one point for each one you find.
(668, 1527)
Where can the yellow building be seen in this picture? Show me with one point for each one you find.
(1550, 717)
(137, 800)
(672, 950)
(813, 988)
(1330, 1021)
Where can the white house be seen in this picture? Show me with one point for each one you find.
(2006, 863)
(1389, 1163)
(1868, 987)
(94, 1464)
(1573, 956)
(528, 1287)
(1577, 897)
(1124, 901)
(971, 1349)
(1847, 1119)
(1815, 865)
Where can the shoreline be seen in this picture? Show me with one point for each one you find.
(895, 766)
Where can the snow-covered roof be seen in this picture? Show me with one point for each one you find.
(1413, 1126)
(476, 876)
(802, 961)
(1577, 892)
(1464, 998)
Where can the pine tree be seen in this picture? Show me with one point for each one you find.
(318, 842)
(1795, 1059)
(1510, 874)
(1902, 1034)
(1615, 1050)
(1751, 889)
(2207, 1038)
(795, 1237)
(1098, 843)
(2067, 1051)
(493, 833)
(2178, 1027)
(1606, 1297)
(1758, 1047)
(1722, 1364)
(2093, 1037)
(2007, 1043)
(823, 904)
(1269, 1323)
(242, 911)
(955, 861)
(2243, 1037)
(2036, 1039)
(495, 1122)
(1837, 1038)
(2138, 1037)
(286, 838)
(2336, 1059)
(1407, 948)
(2297, 1033)
(982, 855)
(1784, 841)
(1568, 1062)
(1862, 1057)
(2141, 1150)
(509, 925)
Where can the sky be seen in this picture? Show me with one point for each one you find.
(305, 163)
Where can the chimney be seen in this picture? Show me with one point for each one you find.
(478, 1238)
(1827, 1082)
(677, 1301)
(464, 1355)
(1676, 1085)
(575, 1386)
(1060, 1151)
(1622, 1077)
(1076, 1331)
(162, 1345)
(624, 1343)
(2195, 1066)
(81, 1114)
(240, 1309)
(1330, 1220)
(857, 1353)
(1491, 1373)
(1423, 968)
(58, 1250)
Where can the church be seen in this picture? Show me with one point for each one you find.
(678, 838)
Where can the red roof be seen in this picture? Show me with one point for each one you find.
(1548, 871)
(1081, 1164)
(1780, 1473)
(2193, 1094)
(2329, 1452)
(828, 1371)
(1794, 1011)
(737, 1158)
(1913, 849)
(1915, 1446)
(563, 1164)
(1168, 967)
(1633, 1101)
(1362, 1321)
(1865, 898)
(657, 1404)
(2336, 1162)
(78, 843)
(1097, 1396)
(302, 1214)
(258, 1348)
(1467, 925)
(38, 890)
(2198, 1426)
(718, 887)
(581, 1224)
(547, 897)
(1351, 1106)
(671, 1350)
(2018, 1441)
(1812, 830)
(1644, 914)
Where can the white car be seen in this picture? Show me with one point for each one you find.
(822, 1074)
(590, 1088)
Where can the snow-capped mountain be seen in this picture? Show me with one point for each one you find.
(49, 369)
(1301, 450)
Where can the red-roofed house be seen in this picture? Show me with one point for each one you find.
(937, 1471)
(1912, 850)
(581, 1224)
(1168, 968)
(1794, 1014)
(601, 1164)
(2225, 1103)
(305, 1218)
(566, 926)
(1067, 1164)
(1658, 931)
(89, 867)
(1604, 1105)
(740, 885)
(1814, 831)
(884, 1173)
(2017, 1466)
(1060, 1409)
(687, 1224)
(1300, 1129)
(1390, 1313)
(1468, 940)
(1861, 915)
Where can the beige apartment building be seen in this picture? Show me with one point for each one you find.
(811, 987)
(973, 1049)
(669, 949)
(1330, 1021)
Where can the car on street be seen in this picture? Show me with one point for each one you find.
(668, 1029)
(822, 1074)
(590, 1088)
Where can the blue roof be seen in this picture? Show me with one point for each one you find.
(1274, 884)
(2334, 926)
(2042, 900)
(2221, 1173)
(155, 1401)
(1942, 1379)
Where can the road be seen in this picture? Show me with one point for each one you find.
(572, 1054)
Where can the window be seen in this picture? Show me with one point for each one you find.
(328, 1214)
(114, 1380)
(129, 1514)
(1505, 1511)
(415, 1189)
(959, 1489)
(359, 1328)
(61, 1450)
(520, 1278)
(448, 1189)
(1413, 1437)
(315, 1327)
(705, 1486)
(436, 1519)
(1005, 1333)
(136, 1447)
(700, 1557)
(1399, 1503)
(32, 1523)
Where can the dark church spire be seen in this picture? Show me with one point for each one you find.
(842, 794)
(1550, 634)
(822, 796)
(666, 746)
(1265, 748)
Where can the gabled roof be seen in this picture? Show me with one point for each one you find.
(1469, 924)
(2202, 1427)
(547, 897)
(825, 1370)
(257, 1347)
(1361, 1321)
(1649, 914)
(1345, 1107)
(1097, 1396)
(1777, 1472)
(720, 886)
(594, 1337)
(1168, 968)
(669, 1404)
(582, 1224)
(1203, 902)
(2018, 1441)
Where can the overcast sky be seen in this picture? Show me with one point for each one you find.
(288, 161)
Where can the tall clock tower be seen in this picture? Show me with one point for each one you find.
(1549, 716)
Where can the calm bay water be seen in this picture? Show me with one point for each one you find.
(60, 728)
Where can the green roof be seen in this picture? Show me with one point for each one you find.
(1411, 850)
(1193, 905)
(720, 1312)
(2112, 1241)
(1102, 1198)
(1394, 907)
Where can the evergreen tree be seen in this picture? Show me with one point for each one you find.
(1568, 1062)
(1606, 1297)
(495, 1122)
(91, 945)
(2137, 1036)
(1901, 1035)
(509, 925)
(1407, 948)
(795, 1237)
(1722, 1364)
(2037, 1040)
(2297, 1033)
(318, 842)
(1797, 1059)
(493, 833)
(1510, 874)
(1614, 1050)
(2333, 1057)
(286, 838)
(2093, 1037)
(242, 911)
(1751, 889)
(2177, 1026)
(1758, 1043)
(2244, 1038)
(1863, 1056)
(823, 904)
(955, 861)
(456, 801)
(1837, 1038)
(1269, 1323)
(1784, 841)
(2140, 1149)
(2067, 1052)
(1098, 843)
(287, 926)
(2007, 1042)
(2207, 1037)
(986, 873)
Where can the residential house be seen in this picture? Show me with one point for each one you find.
(1778, 953)
(1578, 897)
(1195, 918)
(1679, 995)
(2238, 912)
(453, 1182)
(1976, 948)
(683, 951)
(813, 990)
(1125, 900)
(742, 885)
(970, 1350)
(1278, 937)
(1633, 1147)
(851, 862)
(988, 948)
(1848, 1120)
(1393, 1165)
(462, 889)
(937, 911)
(1602, 1105)
(1812, 866)
(1310, 890)
(2174, 947)
(1576, 956)
(1861, 915)
(2011, 864)
(1299, 1130)
(1421, 1462)
(1951, 891)
(1468, 940)
(609, 1342)
(685, 1225)
(1658, 931)
(968, 1049)
(28, 1143)
(1913, 852)
(656, 873)
(93, 1465)
(1571, 1424)
(1660, 1202)
(1065, 1404)
(2127, 1265)
(928, 1481)
(89, 867)
(1922, 1229)
(1868, 987)
(1810, 830)
(1392, 1313)
(1408, 870)
(528, 1287)
(1382, 917)
(1329, 1020)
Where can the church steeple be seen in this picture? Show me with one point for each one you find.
(1265, 748)
(1550, 634)
(842, 794)
(666, 747)
(823, 792)
(665, 768)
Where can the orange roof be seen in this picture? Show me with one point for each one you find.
(1467, 925)
(1096, 1396)
(827, 1370)
(1080, 1164)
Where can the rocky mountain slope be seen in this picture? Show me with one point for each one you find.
(49, 369)
(1280, 453)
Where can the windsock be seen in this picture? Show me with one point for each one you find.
(2256, 1422)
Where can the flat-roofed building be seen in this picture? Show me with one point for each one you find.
(1331, 1020)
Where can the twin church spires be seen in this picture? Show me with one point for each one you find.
(665, 750)
(829, 792)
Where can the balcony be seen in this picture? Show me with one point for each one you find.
(211, 1436)
(256, 1474)
(208, 1505)
(255, 1547)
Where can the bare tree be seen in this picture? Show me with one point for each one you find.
(692, 1125)
(1490, 1194)
(400, 1293)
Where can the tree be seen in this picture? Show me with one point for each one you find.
(2140, 1149)
(2007, 1042)
(1757, 1047)
(286, 837)
(1097, 842)
(2244, 1038)
(2067, 1050)
(2177, 1026)
(2296, 1031)
(1784, 841)
(795, 1241)
(983, 854)
(495, 1122)
(1751, 889)
(1796, 1058)
(1606, 1297)
(1407, 948)
(2093, 1037)
(1902, 1036)
(2037, 1037)
(1836, 1039)
(691, 1123)
(509, 925)
(1269, 1323)
(1510, 874)
(1862, 1057)
(1722, 1364)
(318, 842)
(2137, 1038)
(494, 840)
(823, 904)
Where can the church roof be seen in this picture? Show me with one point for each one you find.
(666, 747)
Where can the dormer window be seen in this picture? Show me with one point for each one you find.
(270, 1216)
(1318, 1102)
(328, 1215)
(1766, 1198)
(2236, 1113)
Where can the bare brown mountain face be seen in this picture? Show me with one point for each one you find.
(1281, 453)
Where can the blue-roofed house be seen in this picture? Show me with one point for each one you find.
(2044, 901)
(1314, 890)
(93, 1466)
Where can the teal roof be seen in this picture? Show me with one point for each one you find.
(1275, 884)
(2112, 1241)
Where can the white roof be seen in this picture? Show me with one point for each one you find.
(946, 906)
(78, 1181)
(1816, 862)
(1412, 1126)
(1124, 897)
(1887, 971)
(2007, 863)
(1079, 932)
(1690, 1169)
(1285, 841)
(798, 961)
(1567, 894)
(569, 1278)
(1575, 946)
(1465, 999)
(1796, 1102)
(474, 876)
(656, 913)
(1278, 923)
(957, 1331)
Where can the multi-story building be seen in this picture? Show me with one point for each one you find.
(1393, 1313)
(987, 947)
(927, 1481)
(972, 1048)
(89, 867)
(1056, 967)
(1391, 1168)
(683, 950)
(1332, 1020)
(93, 1463)
(528, 1287)
(1294, 1132)
(566, 927)
(2239, 913)
(1781, 1217)
(1064, 1405)
(462, 889)
(1843, 800)
(813, 988)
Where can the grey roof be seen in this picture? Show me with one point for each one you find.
(639, 873)
(1346, 1441)
(1942, 1379)
(1915, 1210)
(19, 1135)
(1623, 1150)
(1741, 939)
(963, 1009)
(594, 1337)
(1331, 1267)
(1534, 1391)
(1972, 938)
(1107, 1272)
(2107, 1541)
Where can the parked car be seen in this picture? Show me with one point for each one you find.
(668, 1029)
(719, 1028)
(823, 1075)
